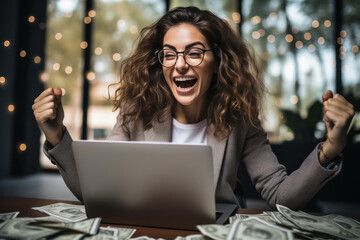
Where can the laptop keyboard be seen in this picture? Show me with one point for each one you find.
(218, 214)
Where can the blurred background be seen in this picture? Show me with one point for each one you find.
(304, 47)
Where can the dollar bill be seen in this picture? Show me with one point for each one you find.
(121, 233)
(180, 238)
(345, 222)
(89, 226)
(281, 220)
(143, 238)
(68, 235)
(263, 216)
(20, 228)
(7, 216)
(125, 233)
(195, 237)
(64, 211)
(214, 231)
(316, 224)
(108, 231)
(254, 228)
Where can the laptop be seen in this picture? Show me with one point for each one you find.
(148, 183)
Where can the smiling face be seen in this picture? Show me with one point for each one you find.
(189, 84)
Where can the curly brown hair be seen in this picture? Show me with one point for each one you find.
(236, 92)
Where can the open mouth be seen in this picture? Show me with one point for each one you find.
(185, 82)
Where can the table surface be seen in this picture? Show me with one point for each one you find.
(24, 205)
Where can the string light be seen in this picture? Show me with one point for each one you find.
(311, 48)
(11, 108)
(307, 36)
(116, 57)
(58, 36)
(273, 15)
(255, 20)
(343, 33)
(2, 80)
(22, 53)
(299, 44)
(340, 40)
(56, 66)
(133, 29)
(289, 38)
(92, 13)
(342, 50)
(87, 20)
(321, 40)
(22, 147)
(98, 51)
(44, 76)
(83, 45)
(255, 35)
(355, 49)
(121, 23)
(37, 59)
(236, 17)
(68, 70)
(31, 19)
(294, 99)
(327, 23)
(315, 24)
(6, 43)
(271, 38)
(90, 76)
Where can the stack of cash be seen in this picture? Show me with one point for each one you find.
(284, 224)
(65, 221)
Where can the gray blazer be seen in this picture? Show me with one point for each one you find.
(246, 143)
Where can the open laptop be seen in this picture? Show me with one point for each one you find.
(148, 184)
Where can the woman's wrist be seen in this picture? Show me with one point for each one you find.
(328, 153)
(56, 138)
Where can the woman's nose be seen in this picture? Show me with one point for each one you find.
(181, 64)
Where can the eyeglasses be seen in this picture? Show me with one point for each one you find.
(192, 56)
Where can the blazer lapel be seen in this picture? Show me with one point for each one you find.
(160, 132)
(218, 149)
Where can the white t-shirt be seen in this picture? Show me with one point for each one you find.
(189, 133)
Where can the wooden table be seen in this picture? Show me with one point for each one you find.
(24, 205)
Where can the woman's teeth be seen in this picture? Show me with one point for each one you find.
(185, 82)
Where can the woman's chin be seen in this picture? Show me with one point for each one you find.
(184, 100)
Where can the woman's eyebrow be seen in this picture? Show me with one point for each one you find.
(194, 43)
(187, 46)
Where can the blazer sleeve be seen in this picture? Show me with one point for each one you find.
(271, 179)
(62, 156)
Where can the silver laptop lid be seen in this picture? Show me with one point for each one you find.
(149, 184)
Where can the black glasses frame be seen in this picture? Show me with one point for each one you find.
(158, 53)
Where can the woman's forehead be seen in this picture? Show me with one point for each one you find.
(184, 34)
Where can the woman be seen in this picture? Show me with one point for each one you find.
(191, 79)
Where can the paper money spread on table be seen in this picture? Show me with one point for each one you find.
(68, 221)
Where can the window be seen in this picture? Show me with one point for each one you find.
(293, 40)
(63, 56)
(116, 25)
